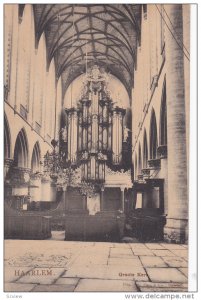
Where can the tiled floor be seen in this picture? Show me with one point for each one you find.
(62, 266)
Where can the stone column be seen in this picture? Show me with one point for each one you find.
(7, 187)
(177, 218)
(102, 199)
(186, 40)
(7, 164)
(19, 180)
(162, 152)
(35, 187)
(122, 198)
(45, 188)
(53, 191)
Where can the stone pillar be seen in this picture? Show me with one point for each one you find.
(177, 218)
(35, 187)
(102, 199)
(122, 198)
(162, 152)
(45, 189)
(7, 187)
(7, 164)
(20, 179)
(53, 191)
(186, 40)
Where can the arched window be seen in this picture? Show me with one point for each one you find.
(153, 136)
(21, 150)
(7, 139)
(163, 118)
(25, 52)
(50, 98)
(35, 160)
(40, 83)
(145, 150)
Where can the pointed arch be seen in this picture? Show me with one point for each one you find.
(7, 139)
(163, 117)
(21, 152)
(145, 150)
(153, 136)
(36, 158)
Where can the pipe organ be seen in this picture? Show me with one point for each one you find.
(72, 135)
(95, 129)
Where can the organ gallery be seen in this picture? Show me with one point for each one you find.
(95, 140)
(95, 129)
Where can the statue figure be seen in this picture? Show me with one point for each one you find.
(64, 134)
(126, 133)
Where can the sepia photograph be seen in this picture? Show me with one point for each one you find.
(96, 147)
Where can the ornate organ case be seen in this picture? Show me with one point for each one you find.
(95, 129)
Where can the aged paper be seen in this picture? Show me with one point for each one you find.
(96, 147)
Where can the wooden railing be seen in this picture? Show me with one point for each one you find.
(27, 227)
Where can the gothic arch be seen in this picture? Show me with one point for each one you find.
(145, 150)
(36, 157)
(7, 139)
(163, 117)
(21, 152)
(153, 136)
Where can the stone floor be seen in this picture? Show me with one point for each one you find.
(60, 266)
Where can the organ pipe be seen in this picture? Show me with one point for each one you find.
(95, 128)
(72, 134)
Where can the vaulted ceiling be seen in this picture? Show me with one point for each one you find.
(106, 34)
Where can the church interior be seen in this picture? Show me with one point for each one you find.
(96, 121)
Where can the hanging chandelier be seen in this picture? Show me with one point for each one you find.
(64, 174)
